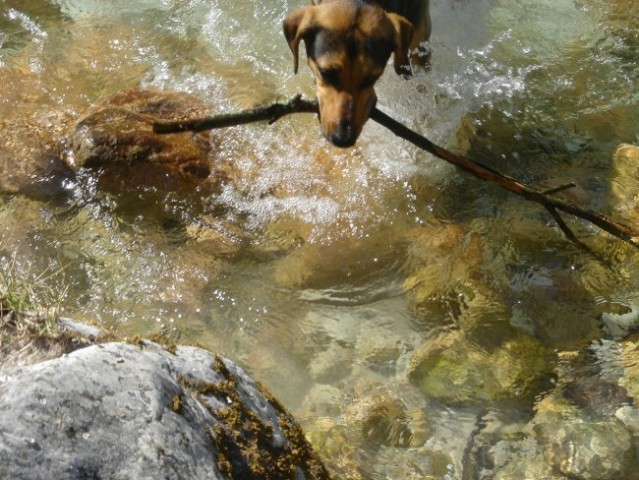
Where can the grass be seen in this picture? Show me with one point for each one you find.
(27, 303)
(29, 309)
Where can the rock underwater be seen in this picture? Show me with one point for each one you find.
(115, 135)
(119, 410)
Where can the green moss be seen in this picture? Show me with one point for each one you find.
(136, 340)
(454, 370)
(158, 338)
(304, 455)
(223, 465)
(244, 442)
(177, 402)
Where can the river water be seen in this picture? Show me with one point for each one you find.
(337, 277)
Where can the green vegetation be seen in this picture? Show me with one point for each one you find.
(29, 308)
(27, 304)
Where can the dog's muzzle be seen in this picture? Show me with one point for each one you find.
(346, 131)
(344, 135)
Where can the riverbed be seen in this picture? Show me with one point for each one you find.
(416, 320)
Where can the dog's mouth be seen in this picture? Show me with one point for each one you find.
(345, 131)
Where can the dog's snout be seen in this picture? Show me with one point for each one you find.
(344, 135)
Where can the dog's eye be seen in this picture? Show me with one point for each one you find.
(329, 75)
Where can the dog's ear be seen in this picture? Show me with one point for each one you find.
(403, 37)
(296, 27)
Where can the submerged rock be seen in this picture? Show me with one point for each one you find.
(360, 429)
(565, 441)
(29, 154)
(441, 259)
(125, 411)
(588, 450)
(529, 467)
(596, 395)
(630, 361)
(625, 184)
(629, 153)
(454, 370)
(117, 133)
(620, 325)
(383, 418)
(39, 151)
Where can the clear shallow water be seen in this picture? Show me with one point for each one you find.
(327, 273)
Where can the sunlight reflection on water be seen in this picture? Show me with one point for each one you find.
(333, 274)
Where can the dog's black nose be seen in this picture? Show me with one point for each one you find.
(344, 136)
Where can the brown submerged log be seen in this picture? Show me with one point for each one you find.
(297, 104)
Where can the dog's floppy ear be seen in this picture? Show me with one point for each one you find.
(403, 38)
(296, 26)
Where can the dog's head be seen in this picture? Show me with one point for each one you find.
(348, 44)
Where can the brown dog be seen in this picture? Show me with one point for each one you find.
(348, 43)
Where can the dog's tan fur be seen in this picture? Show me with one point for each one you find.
(348, 43)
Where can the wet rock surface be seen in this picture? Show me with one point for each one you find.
(588, 450)
(29, 155)
(144, 411)
(38, 152)
(450, 369)
(625, 184)
(117, 132)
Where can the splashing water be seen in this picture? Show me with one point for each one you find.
(408, 314)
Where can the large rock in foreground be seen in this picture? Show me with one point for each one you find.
(124, 411)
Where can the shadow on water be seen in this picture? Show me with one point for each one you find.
(420, 323)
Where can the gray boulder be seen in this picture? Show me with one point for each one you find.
(123, 411)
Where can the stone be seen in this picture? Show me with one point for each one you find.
(384, 418)
(89, 331)
(629, 155)
(629, 358)
(29, 163)
(629, 416)
(587, 450)
(532, 467)
(625, 181)
(144, 411)
(452, 370)
(117, 134)
(331, 364)
(380, 349)
(442, 258)
(39, 151)
(620, 325)
(596, 395)
(323, 401)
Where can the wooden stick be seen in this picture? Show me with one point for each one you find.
(271, 112)
(298, 104)
(617, 229)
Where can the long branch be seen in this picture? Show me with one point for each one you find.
(271, 112)
(298, 104)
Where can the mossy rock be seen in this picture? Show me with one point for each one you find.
(152, 411)
(116, 135)
(455, 370)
